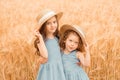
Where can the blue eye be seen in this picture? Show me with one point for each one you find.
(48, 23)
(70, 40)
(55, 22)
(76, 42)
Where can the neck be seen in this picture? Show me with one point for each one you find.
(66, 51)
(50, 36)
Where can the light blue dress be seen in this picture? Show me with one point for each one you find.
(72, 70)
(53, 69)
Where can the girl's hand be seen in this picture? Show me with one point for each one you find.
(42, 60)
(86, 47)
(79, 63)
(37, 34)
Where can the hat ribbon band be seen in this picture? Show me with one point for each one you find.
(46, 16)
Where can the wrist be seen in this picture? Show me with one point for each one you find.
(40, 38)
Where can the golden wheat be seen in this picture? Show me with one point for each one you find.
(100, 20)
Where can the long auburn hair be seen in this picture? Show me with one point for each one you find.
(43, 32)
(65, 36)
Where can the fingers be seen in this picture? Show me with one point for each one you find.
(78, 63)
(42, 60)
(37, 33)
(86, 46)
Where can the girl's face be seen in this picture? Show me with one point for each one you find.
(51, 25)
(71, 43)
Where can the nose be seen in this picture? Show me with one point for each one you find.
(72, 44)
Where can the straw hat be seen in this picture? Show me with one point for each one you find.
(45, 15)
(75, 28)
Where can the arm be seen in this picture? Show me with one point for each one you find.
(41, 45)
(85, 59)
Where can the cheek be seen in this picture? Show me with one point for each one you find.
(66, 44)
(76, 45)
(47, 27)
(56, 26)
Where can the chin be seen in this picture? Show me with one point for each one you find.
(70, 50)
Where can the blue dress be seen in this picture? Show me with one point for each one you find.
(53, 69)
(72, 70)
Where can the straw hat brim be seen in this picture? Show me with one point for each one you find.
(47, 17)
(75, 28)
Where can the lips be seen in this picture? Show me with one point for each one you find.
(71, 48)
(52, 28)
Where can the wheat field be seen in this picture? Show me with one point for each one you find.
(99, 19)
